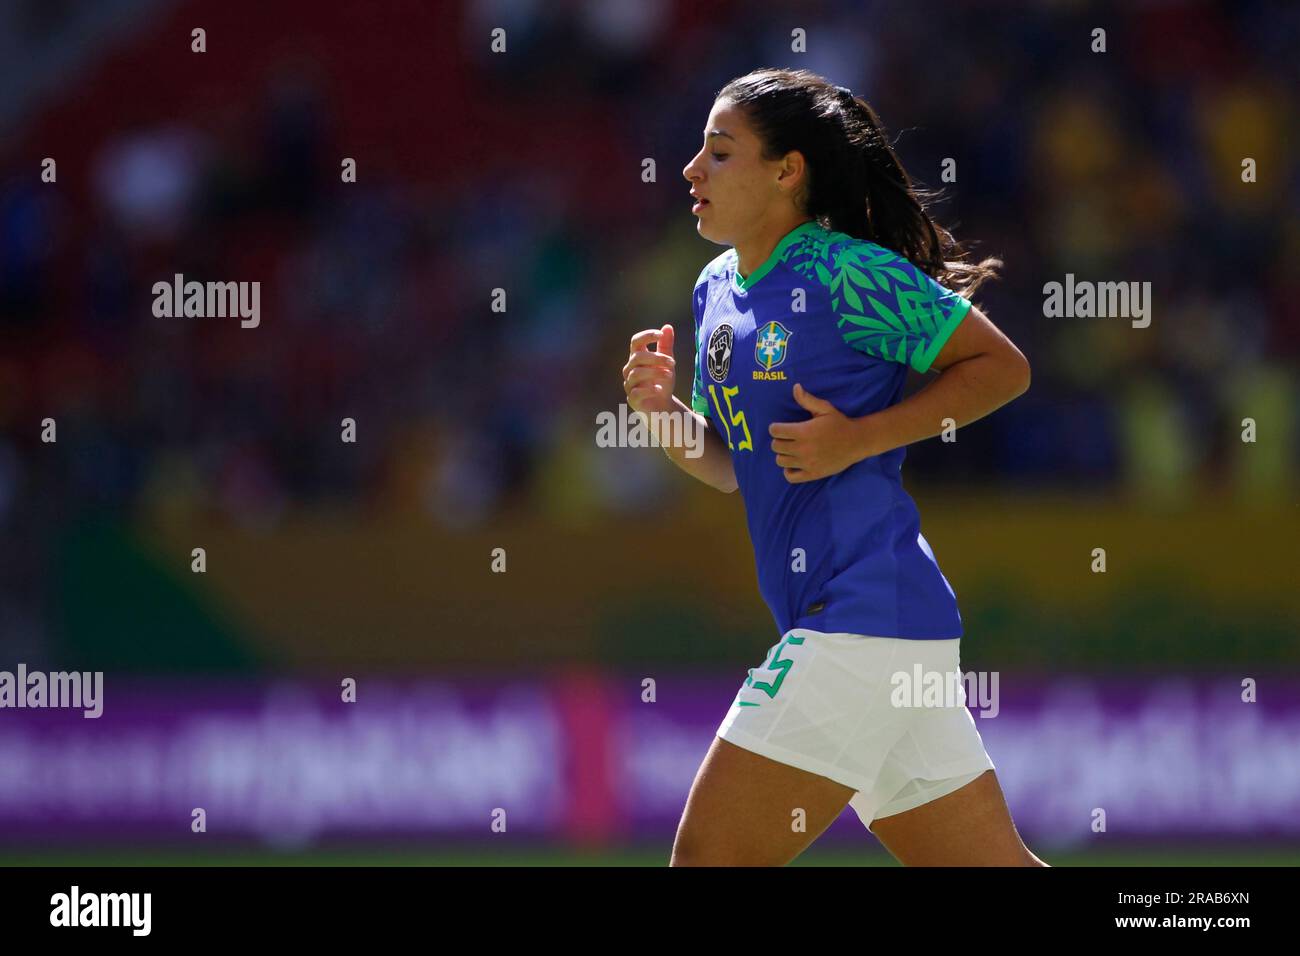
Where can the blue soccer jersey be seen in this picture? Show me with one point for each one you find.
(845, 318)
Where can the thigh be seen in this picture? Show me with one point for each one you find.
(743, 810)
(969, 827)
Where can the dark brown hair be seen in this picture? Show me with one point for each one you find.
(854, 183)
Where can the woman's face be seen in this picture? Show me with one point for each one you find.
(741, 188)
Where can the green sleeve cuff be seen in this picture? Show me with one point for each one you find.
(922, 359)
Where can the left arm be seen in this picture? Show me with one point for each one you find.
(980, 370)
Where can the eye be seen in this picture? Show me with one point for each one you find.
(719, 155)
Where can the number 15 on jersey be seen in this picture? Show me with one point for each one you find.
(732, 417)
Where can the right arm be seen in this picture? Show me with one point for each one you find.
(648, 380)
(714, 466)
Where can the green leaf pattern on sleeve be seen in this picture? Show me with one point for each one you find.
(886, 306)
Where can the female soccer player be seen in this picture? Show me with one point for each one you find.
(835, 283)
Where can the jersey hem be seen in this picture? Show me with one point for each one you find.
(800, 624)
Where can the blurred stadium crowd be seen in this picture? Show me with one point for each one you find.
(522, 171)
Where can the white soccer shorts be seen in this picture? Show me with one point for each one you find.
(829, 704)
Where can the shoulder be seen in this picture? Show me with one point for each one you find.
(861, 276)
(836, 258)
(884, 304)
(717, 267)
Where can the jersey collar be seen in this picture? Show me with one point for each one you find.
(747, 283)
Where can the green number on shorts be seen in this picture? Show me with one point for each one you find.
(778, 663)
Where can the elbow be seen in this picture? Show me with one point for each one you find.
(1019, 373)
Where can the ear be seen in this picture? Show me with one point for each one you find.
(794, 169)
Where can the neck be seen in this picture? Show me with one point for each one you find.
(753, 250)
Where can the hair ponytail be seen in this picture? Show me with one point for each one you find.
(855, 183)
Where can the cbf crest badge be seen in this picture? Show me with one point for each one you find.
(719, 352)
(770, 345)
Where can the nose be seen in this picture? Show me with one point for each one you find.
(689, 172)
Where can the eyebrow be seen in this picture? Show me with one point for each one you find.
(718, 132)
